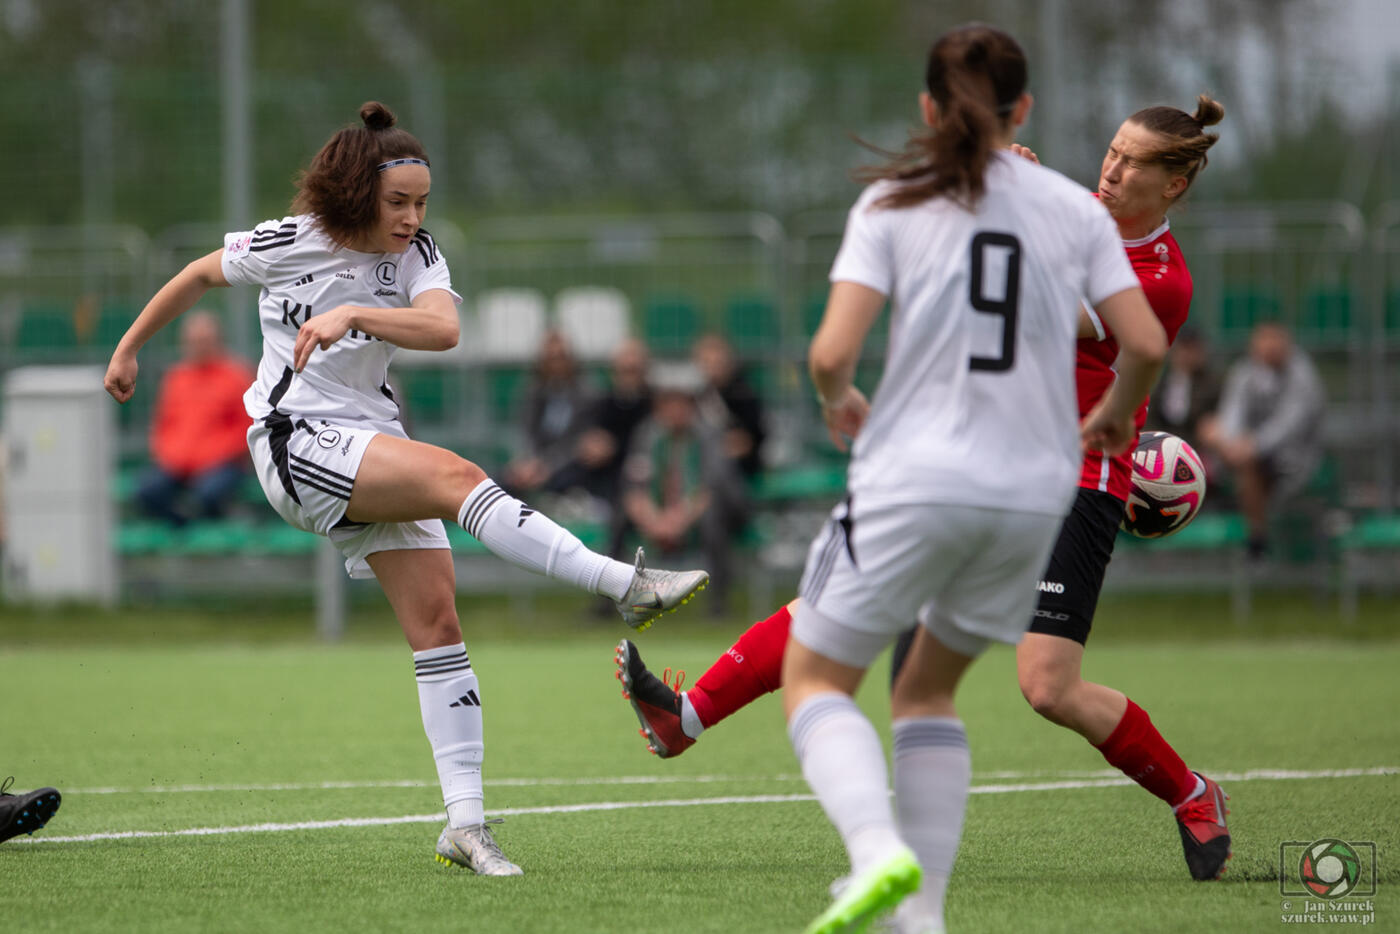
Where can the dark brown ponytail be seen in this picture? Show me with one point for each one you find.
(975, 74)
(341, 185)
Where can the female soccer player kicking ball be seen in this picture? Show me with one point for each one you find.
(1152, 161)
(964, 466)
(347, 279)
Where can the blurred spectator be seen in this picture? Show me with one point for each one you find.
(680, 487)
(1266, 431)
(1188, 391)
(556, 404)
(602, 446)
(199, 445)
(729, 403)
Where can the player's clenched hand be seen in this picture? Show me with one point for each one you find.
(120, 381)
(1101, 430)
(320, 331)
(845, 415)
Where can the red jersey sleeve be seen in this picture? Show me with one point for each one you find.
(1166, 282)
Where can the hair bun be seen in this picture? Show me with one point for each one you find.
(376, 116)
(1209, 111)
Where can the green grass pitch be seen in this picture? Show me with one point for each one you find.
(238, 727)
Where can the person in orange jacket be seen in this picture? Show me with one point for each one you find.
(199, 432)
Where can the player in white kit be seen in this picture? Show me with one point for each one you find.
(347, 279)
(963, 466)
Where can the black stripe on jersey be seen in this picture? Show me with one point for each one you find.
(330, 474)
(272, 244)
(279, 391)
(427, 240)
(280, 430)
(267, 233)
(316, 484)
(482, 508)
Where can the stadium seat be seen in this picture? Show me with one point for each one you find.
(1370, 553)
(1326, 318)
(751, 323)
(144, 537)
(1242, 307)
(46, 327)
(422, 393)
(1392, 317)
(672, 322)
(594, 319)
(513, 322)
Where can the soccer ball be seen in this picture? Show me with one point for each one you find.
(1169, 484)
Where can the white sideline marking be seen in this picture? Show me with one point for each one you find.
(437, 817)
(1254, 774)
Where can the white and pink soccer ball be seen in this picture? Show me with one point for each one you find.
(1169, 485)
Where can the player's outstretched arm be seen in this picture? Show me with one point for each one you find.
(175, 298)
(1142, 346)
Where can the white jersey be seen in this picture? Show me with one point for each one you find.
(977, 402)
(303, 272)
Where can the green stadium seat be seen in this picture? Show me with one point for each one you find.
(751, 323)
(1326, 317)
(144, 537)
(670, 323)
(279, 538)
(1376, 532)
(1243, 307)
(826, 482)
(423, 394)
(112, 323)
(216, 537)
(1392, 316)
(45, 327)
(1206, 532)
(505, 393)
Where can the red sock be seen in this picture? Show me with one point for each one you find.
(752, 667)
(1138, 750)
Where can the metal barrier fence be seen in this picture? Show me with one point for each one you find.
(66, 294)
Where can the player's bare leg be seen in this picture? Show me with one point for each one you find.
(1049, 669)
(421, 588)
(671, 719)
(401, 480)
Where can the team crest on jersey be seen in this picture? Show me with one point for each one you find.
(239, 248)
(328, 438)
(386, 273)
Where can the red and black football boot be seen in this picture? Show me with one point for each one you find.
(1204, 834)
(656, 702)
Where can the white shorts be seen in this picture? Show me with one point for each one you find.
(967, 573)
(307, 469)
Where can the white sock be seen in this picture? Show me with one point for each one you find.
(843, 761)
(932, 772)
(690, 720)
(533, 541)
(451, 703)
(1200, 790)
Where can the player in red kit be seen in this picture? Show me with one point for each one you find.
(1151, 162)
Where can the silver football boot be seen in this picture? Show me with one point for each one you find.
(476, 849)
(655, 592)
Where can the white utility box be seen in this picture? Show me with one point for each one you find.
(59, 441)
